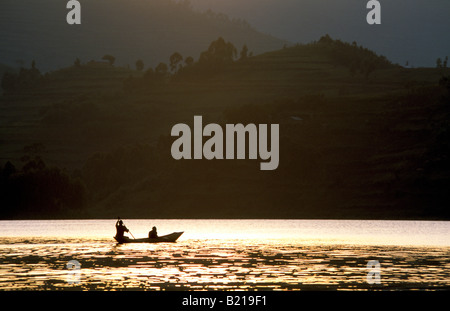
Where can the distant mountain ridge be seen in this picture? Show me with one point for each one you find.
(413, 31)
(129, 30)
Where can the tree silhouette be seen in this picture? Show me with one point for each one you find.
(175, 59)
(32, 157)
(139, 65)
(189, 61)
(149, 74)
(25, 79)
(161, 69)
(442, 64)
(8, 170)
(326, 39)
(218, 55)
(77, 62)
(244, 53)
(161, 72)
(109, 58)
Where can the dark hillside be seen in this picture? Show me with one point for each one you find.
(359, 137)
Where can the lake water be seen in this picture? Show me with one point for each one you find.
(226, 255)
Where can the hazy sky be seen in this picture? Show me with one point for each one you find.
(416, 31)
(412, 30)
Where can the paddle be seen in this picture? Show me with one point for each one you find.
(131, 234)
(127, 229)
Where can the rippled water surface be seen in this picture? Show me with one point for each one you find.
(225, 255)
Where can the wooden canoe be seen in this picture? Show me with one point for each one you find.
(170, 238)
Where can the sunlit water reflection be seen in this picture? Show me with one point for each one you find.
(297, 258)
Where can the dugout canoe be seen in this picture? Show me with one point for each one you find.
(169, 238)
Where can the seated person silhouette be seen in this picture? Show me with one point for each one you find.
(153, 234)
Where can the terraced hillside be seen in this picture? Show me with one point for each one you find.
(359, 137)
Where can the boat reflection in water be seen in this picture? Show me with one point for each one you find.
(225, 255)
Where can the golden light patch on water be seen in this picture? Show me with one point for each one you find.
(225, 254)
(216, 264)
